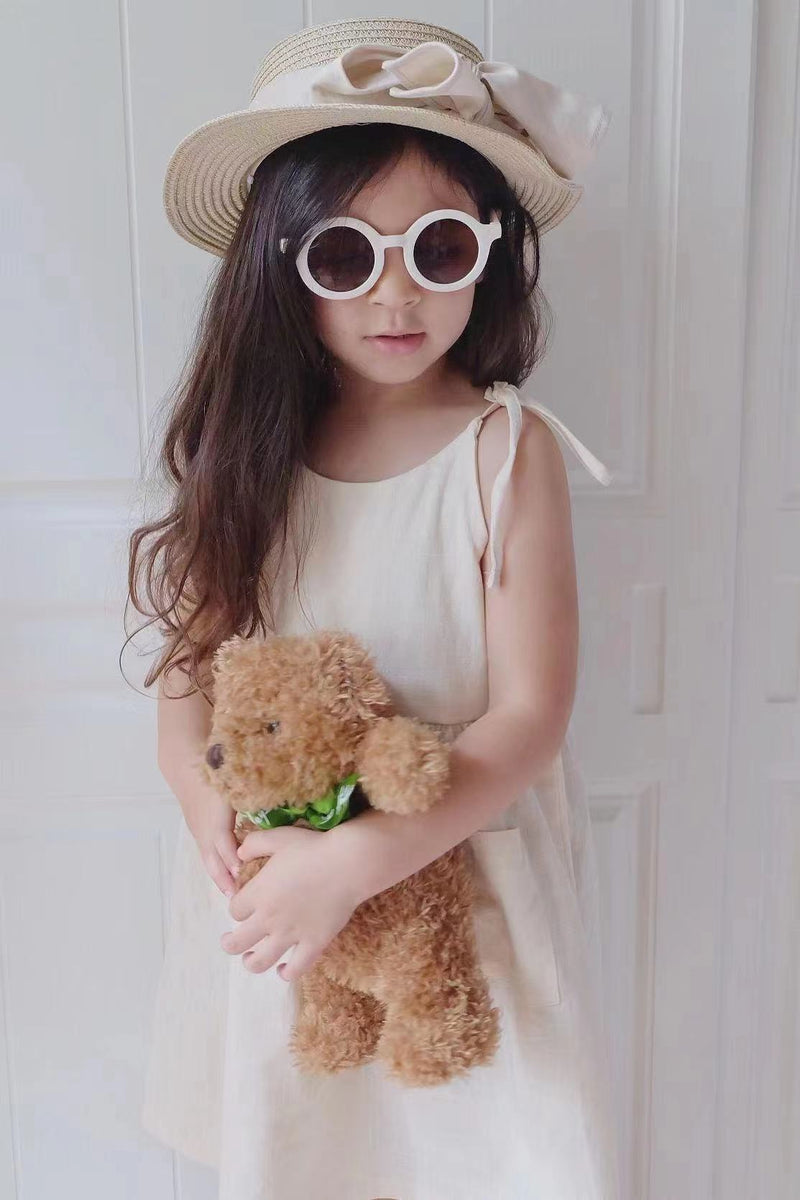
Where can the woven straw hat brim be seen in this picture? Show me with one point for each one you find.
(206, 186)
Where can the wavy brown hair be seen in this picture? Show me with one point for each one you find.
(257, 377)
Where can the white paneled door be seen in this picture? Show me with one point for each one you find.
(674, 356)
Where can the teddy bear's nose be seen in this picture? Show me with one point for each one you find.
(214, 756)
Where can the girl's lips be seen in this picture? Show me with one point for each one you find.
(405, 343)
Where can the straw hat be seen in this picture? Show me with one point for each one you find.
(395, 70)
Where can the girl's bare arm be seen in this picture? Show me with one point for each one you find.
(184, 723)
(532, 643)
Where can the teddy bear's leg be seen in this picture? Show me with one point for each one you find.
(440, 1021)
(336, 1027)
(436, 1030)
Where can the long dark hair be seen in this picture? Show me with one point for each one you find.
(257, 377)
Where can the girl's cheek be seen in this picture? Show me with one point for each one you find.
(335, 327)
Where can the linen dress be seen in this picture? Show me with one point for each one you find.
(397, 562)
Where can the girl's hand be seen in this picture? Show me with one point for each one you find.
(211, 819)
(301, 897)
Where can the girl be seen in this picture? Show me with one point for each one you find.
(349, 449)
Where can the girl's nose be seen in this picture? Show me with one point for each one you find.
(394, 285)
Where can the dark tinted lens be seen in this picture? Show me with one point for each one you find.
(340, 258)
(446, 251)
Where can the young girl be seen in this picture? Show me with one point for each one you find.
(349, 449)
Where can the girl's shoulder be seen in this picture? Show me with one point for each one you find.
(538, 462)
(522, 473)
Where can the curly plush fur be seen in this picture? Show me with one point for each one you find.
(401, 981)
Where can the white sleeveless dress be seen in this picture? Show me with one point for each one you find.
(397, 562)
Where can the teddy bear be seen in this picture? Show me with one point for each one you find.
(304, 729)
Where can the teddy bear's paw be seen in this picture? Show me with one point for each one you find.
(323, 1043)
(431, 1053)
(404, 766)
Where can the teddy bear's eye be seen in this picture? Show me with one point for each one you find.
(272, 726)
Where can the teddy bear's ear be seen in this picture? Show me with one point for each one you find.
(356, 686)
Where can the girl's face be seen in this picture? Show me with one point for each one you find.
(396, 303)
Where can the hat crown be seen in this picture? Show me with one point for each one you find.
(389, 70)
(318, 44)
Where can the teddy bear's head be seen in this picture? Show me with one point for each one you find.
(289, 714)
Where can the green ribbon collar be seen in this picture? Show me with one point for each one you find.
(322, 813)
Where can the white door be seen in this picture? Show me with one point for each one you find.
(758, 1117)
(674, 357)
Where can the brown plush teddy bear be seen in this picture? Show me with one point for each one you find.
(303, 730)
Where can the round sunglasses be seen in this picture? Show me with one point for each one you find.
(443, 250)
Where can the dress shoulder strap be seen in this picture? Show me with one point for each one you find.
(507, 394)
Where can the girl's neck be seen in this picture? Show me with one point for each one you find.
(384, 428)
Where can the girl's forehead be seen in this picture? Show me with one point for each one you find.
(406, 191)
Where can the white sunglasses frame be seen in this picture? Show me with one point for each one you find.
(486, 232)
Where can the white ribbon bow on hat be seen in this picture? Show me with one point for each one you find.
(565, 126)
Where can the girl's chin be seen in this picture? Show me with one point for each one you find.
(367, 362)
(393, 369)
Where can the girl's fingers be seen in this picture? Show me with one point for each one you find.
(265, 953)
(246, 936)
(303, 957)
(260, 843)
(218, 871)
(226, 848)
